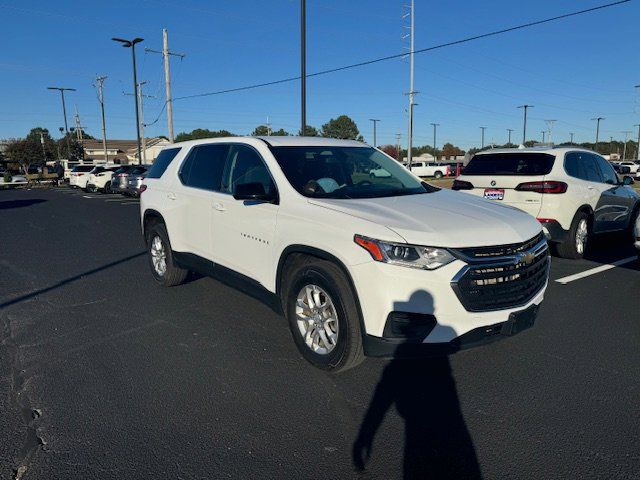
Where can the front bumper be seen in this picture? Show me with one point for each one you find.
(392, 348)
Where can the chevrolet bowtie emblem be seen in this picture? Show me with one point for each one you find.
(526, 258)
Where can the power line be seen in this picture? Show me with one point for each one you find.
(400, 55)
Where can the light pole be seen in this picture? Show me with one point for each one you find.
(543, 132)
(571, 136)
(132, 45)
(64, 112)
(509, 130)
(624, 149)
(524, 126)
(483, 129)
(597, 119)
(638, 153)
(375, 140)
(435, 126)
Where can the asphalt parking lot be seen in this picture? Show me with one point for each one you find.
(103, 374)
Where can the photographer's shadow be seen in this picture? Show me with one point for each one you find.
(437, 443)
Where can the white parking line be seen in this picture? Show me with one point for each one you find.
(593, 271)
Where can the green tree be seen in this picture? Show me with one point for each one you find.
(25, 152)
(260, 131)
(202, 133)
(309, 131)
(449, 150)
(280, 133)
(341, 127)
(72, 150)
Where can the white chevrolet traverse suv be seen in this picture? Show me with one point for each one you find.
(574, 193)
(361, 265)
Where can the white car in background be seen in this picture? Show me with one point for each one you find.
(100, 178)
(573, 193)
(633, 166)
(387, 266)
(430, 169)
(79, 176)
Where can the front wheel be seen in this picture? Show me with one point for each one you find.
(575, 246)
(438, 174)
(107, 187)
(322, 313)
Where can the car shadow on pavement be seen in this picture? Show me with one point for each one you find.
(66, 281)
(437, 443)
(6, 205)
(610, 247)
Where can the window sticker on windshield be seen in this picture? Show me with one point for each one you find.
(494, 193)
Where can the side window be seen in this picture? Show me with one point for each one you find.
(165, 158)
(419, 164)
(244, 165)
(591, 168)
(203, 169)
(608, 173)
(573, 166)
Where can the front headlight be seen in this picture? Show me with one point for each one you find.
(414, 256)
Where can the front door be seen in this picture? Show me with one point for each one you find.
(243, 231)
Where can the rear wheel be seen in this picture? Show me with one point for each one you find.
(107, 187)
(161, 261)
(438, 174)
(575, 246)
(321, 310)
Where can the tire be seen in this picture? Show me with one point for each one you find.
(630, 230)
(571, 247)
(170, 275)
(438, 174)
(302, 274)
(107, 187)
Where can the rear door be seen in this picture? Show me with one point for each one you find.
(616, 201)
(495, 176)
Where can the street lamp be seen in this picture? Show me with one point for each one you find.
(64, 112)
(132, 44)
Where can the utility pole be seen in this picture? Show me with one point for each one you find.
(76, 118)
(624, 149)
(132, 45)
(597, 119)
(638, 152)
(435, 126)
(412, 92)
(375, 140)
(550, 129)
(509, 130)
(303, 66)
(268, 126)
(166, 53)
(483, 129)
(141, 98)
(524, 126)
(100, 81)
(64, 112)
(571, 136)
(398, 135)
(543, 132)
(44, 153)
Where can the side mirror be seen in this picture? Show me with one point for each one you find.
(627, 181)
(251, 191)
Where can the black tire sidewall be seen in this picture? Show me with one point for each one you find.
(316, 275)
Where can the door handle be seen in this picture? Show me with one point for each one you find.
(219, 207)
(171, 196)
(591, 188)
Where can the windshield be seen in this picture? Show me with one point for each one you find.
(510, 164)
(346, 172)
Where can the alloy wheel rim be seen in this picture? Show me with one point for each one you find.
(317, 319)
(581, 236)
(158, 256)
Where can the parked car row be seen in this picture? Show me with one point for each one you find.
(123, 179)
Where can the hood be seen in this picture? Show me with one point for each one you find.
(442, 219)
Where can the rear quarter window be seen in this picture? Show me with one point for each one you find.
(163, 161)
(510, 164)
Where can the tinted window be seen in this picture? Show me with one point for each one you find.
(137, 170)
(573, 166)
(82, 168)
(203, 168)
(591, 169)
(510, 164)
(245, 165)
(162, 162)
(608, 174)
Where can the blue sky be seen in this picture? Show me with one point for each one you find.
(571, 70)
